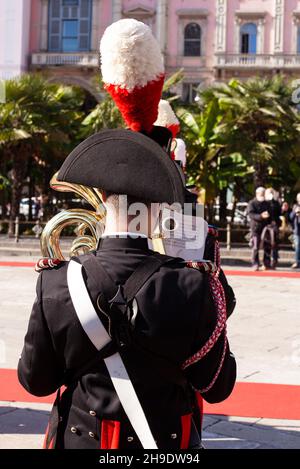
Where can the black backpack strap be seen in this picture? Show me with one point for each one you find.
(103, 281)
(143, 272)
(97, 274)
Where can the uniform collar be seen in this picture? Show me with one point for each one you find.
(123, 240)
(123, 234)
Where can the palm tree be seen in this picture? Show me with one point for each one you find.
(37, 122)
(258, 122)
(243, 134)
(209, 167)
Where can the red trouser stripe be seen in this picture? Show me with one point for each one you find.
(110, 434)
(200, 405)
(186, 421)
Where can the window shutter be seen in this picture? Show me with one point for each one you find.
(74, 12)
(55, 8)
(298, 40)
(54, 25)
(244, 48)
(85, 15)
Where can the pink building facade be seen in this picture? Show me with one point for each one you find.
(209, 39)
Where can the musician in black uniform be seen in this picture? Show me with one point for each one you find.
(176, 315)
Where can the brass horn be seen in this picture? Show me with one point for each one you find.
(90, 224)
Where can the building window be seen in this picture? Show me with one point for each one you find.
(69, 25)
(189, 92)
(298, 40)
(192, 40)
(70, 35)
(248, 38)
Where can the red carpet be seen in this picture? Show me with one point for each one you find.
(268, 273)
(242, 273)
(16, 264)
(276, 401)
(11, 389)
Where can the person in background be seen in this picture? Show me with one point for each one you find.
(259, 218)
(271, 231)
(285, 215)
(295, 220)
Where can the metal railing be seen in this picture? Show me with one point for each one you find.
(226, 233)
(37, 228)
(176, 61)
(78, 59)
(258, 60)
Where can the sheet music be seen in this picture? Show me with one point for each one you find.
(187, 238)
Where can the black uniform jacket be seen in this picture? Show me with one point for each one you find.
(274, 209)
(176, 317)
(254, 210)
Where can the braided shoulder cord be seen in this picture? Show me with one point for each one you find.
(46, 263)
(219, 299)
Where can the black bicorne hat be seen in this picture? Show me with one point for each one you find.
(125, 162)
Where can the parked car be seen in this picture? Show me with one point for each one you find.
(24, 207)
(240, 214)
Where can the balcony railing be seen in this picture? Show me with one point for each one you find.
(178, 61)
(75, 59)
(257, 61)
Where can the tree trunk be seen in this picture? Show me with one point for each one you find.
(238, 192)
(30, 188)
(233, 209)
(3, 191)
(18, 174)
(3, 204)
(223, 207)
(260, 174)
(209, 212)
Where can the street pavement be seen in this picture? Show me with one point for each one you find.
(264, 334)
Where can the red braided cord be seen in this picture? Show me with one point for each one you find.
(220, 303)
(219, 367)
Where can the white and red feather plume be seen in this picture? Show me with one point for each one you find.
(167, 118)
(180, 151)
(133, 71)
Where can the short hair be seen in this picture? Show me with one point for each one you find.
(114, 200)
